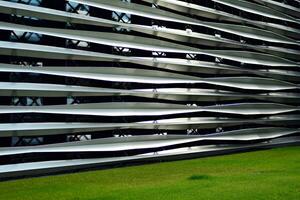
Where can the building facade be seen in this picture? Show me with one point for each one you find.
(86, 83)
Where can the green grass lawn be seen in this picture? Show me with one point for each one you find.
(268, 174)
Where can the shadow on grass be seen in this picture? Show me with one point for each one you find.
(199, 177)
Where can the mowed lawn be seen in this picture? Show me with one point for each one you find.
(266, 174)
